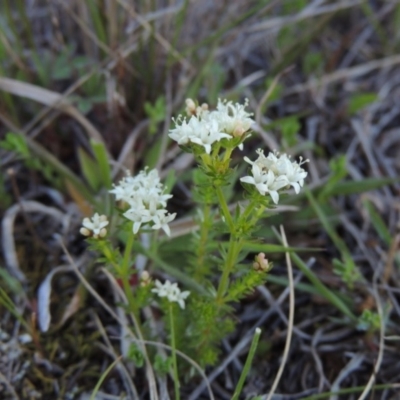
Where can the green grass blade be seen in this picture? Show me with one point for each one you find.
(103, 377)
(353, 187)
(322, 289)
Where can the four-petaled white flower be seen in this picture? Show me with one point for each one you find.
(208, 134)
(171, 291)
(144, 195)
(206, 127)
(95, 226)
(275, 172)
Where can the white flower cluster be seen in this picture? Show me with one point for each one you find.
(275, 172)
(95, 226)
(206, 127)
(144, 195)
(171, 292)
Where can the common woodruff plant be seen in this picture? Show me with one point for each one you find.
(198, 317)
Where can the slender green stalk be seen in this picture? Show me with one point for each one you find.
(249, 209)
(173, 345)
(225, 209)
(125, 274)
(235, 245)
(201, 250)
(103, 376)
(247, 365)
(227, 154)
(127, 254)
(130, 297)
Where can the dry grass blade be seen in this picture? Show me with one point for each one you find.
(277, 23)
(163, 42)
(9, 251)
(353, 365)
(83, 25)
(50, 99)
(125, 375)
(379, 359)
(9, 387)
(44, 295)
(290, 319)
(125, 161)
(344, 74)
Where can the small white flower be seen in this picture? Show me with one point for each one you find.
(171, 291)
(146, 200)
(94, 227)
(233, 117)
(182, 133)
(264, 182)
(275, 172)
(207, 127)
(161, 221)
(208, 134)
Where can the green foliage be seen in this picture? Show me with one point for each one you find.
(369, 321)
(245, 285)
(135, 355)
(214, 81)
(312, 63)
(289, 128)
(17, 144)
(359, 101)
(156, 113)
(96, 170)
(276, 92)
(379, 224)
(345, 268)
(293, 6)
(209, 325)
(162, 365)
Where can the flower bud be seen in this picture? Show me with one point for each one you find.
(190, 107)
(94, 226)
(145, 279)
(261, 263)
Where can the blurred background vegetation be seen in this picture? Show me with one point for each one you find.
(88, 89)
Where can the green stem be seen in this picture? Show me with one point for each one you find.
(206, 159)
(227, 154)
(247, 365)
(201, 269)
(130, 297)
(257, 215)
(125, 274)
(248, 211)
(235, 245)
(173, 345)
(225, 209)
(127, 254)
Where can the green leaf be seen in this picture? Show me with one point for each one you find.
(359, 101)
(312, 62)
(289, 128)
(276, 91)
(90, 169)
(347, 269)
(136, 355)
(378, 223)
(104, 169)
(162, 365)
(155, 112)
(84, 105)
(352, 187)
(16, 143)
